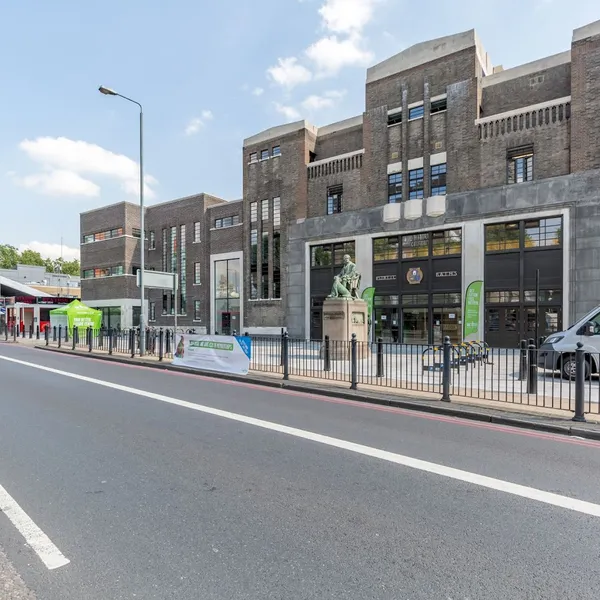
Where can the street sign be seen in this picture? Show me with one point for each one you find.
(158, 280)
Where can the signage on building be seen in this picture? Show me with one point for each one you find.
(51, 300)
(414, 276)
(447, 274)
(223, 353)
(472, 308)
(385, 278)
(333, 315)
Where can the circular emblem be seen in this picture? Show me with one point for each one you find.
(414, 276)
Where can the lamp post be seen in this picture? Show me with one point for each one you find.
(108, 92)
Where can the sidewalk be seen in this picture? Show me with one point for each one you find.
(540, 418)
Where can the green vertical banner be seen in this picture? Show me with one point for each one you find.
(472, 308)
(368, 296)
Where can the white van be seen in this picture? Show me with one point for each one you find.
(557, 353)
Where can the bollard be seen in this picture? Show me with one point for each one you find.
(353, 363)
(580, 368)
(101, 338)
(168, 341)
(54, 333)
(285, 340)
(47, 336)
(281, 357)
(532, 370)
(75, 337)
(379, 357)
(15, 333)
(110, 340)
(523, 361)
(59, 335)
(326, 355)
(446, 369)
(132, 342)
(67, 333)
(161, 336)
(37, 332)
(90, 334)
(30, 331)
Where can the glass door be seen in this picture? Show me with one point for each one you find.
(415, 326)
(387, 324)
(446, 321)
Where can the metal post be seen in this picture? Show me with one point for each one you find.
(31, 331)
(537, 306)
(167, 341)
(284, 351)
(47, 335)
(579, 384)
(523, 361)
(143, 238)
(379, 357)
(161, 335)
(326, 355)
(353, 363)
(281, 360)
(67, 333)
(132, 341)
(446, 369)
(110, 340)
(59, 335)
(532, 371)
(54, 333)
(75, 337)
(101, 338)
(90, 334)
(37, 332)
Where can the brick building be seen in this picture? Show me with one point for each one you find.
(457, 171)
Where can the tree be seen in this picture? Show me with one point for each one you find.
(32, 258)
(9, 257)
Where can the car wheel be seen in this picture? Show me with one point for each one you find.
(569, 368)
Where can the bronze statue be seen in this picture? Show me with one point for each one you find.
(347, 282)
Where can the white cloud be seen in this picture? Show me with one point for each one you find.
(59, 183)
(328, 100)
(197, 123)
(331, 54)
(258, 91)
(65, 161)
(289, 112)
(51, 250)
(347, 16)
(289, 72)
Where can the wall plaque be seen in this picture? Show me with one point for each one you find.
(333, 315)
(358, 318)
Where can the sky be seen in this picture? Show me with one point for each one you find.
(208, 75)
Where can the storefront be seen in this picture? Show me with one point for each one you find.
(418, 280)
(518, 253)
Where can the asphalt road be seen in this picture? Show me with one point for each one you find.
(157, 485)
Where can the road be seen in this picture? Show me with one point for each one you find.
(118, 482)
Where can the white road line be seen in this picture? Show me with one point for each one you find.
(491, 483)
(51, 556)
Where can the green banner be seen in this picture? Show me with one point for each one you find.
(472, 309)
(368, 296)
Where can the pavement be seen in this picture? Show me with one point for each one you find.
(155, 484)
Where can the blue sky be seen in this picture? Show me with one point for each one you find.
(209, 74)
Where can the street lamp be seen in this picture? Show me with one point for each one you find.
(108, 92)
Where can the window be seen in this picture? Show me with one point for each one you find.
(265, 249)
(253, 247)
(165, 304)
(395, 117)
(264, 155)
(264, 210)
(438, 180)
(276, 264)
(321, 256)
(334, 199)
(276, 151)
(447, 242)
(416, 112)
(88, 238)
(415, 299)
(173, 249)
(502, 297)
(445, 299)
(88, 274)
(152, 311)
(520, 164)
(385, 249)
(276, 212)
(277, 285)
(197, 271)
(182, 271)
(227, 222)
(100, 272)
(415, 246)
(152, 241)
(253, 285)
(103, 235)
(165, 246)
(197, 315)
(545, 296)
(504, 236)
(136, 233)
(438, 106)
(415, 184)
(253, 211)
(543, 232)
(253, 157)
(340, 250)
(394, 188)
(197, 227)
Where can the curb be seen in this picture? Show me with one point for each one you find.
(437, 409)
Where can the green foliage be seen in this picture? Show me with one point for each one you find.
(10, 257)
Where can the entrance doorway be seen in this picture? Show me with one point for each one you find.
(387, 324)
(225, 323)
(447, 322)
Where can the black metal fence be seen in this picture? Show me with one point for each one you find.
(526, 375)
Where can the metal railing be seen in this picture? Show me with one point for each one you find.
(527, 375)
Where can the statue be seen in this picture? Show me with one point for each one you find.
(346, 284)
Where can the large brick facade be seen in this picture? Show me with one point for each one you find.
(438, 102)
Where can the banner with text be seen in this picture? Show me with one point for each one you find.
(472, 309)
(223, 353)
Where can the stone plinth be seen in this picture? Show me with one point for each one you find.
(341, 318)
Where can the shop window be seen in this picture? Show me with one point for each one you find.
(386, 300)
(414, 299)
(446, 243)
(415, 246)
(502, 237)
(321, 256)
(446, 299)
(546, 296)
(543, 232)
(340, 250)
(385, 249)
(502, 297)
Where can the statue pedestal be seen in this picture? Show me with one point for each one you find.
(341, 318)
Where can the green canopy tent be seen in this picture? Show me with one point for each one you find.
(76, 314)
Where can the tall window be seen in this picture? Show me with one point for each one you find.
(520, 164)
(415, 184)
(394, 188)
(334, 199)
(276, 248)
(197, 232)
(276, 212)
(197, 311)
(165, 304)
(254, 247)
(152, 244)
(173, 249)
(264, 208)
(276, 151)
(165, 249)
(182, 274)
(264, 288)
(152, 311)
(197, 271)
(254, 264)
(253, 211)
(438, 180)
(227, 291)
